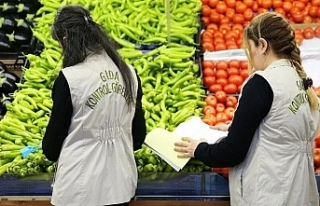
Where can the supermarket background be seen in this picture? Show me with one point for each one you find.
(189, 58)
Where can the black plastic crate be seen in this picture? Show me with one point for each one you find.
(216, 185)
(12, 185)
(184, 185)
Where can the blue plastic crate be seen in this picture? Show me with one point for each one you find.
(216, 185)
(188, 184)
(11, 185)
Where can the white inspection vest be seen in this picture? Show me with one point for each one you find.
(278, 169)
(96, 166)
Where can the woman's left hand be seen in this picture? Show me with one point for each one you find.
(187, 146)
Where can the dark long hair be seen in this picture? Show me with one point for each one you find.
(78, 35)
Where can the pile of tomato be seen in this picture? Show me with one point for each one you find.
(226, 76)
(236, 11)
(225, 20)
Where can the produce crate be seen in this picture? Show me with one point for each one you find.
(39, 185)
(216, 185)
(184, 185)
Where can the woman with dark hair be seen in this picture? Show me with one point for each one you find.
(269, 147)
(97, 119)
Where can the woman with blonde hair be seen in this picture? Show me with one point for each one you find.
(269, 147)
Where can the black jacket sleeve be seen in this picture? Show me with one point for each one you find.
(139, 129)
(253, 107)
(60, 119)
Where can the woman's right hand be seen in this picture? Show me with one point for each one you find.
(221, 127)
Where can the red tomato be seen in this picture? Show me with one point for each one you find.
(315, 2)
(233, 71)
(208, 72)
(308, 33)
(220, 47)
(238, 28)
(221, 7)
(209, 119)
(244, 65)
(312, 11)
(317, 142)
(235, 79)
(307, 19)
(218, 34)
(317, 31)
(234, 64)
(244, 73)
(230, 12)
(224, 28)
(211, 100)
(208, 64)
(298, 31)
(209, 81)
(229, 111)
(231, 35)
(222, 81)
(280, 11)
(207, 34)
(215, 87)
(240, 7)
(299, 39)
(233, 46)
(287, 6)
(238, 19)
(231, 3)
(221, 74)
(208, 109)
(298, 4)
(214, 18)
(230, 42)
(220, 107)
(204, 2)
(316, 156)
(208, 46)
(297, 16)
(212, 28)
(267, 4)
(231, 101)
(230, 88)
(213, 3)
(205, 10)
(248, 3)
(218, 40)
(277, 4)
(221, 96)
(255, 6)
(248, 14)
(205, 20)
(222, 65)
(225, 20)
(221, 117)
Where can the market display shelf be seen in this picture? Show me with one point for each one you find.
(12, 185)
(207, 185)
(216, 185)
(190, 184)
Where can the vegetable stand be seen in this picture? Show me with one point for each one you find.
(190, 64)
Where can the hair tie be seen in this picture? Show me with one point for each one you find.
(307, 83)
